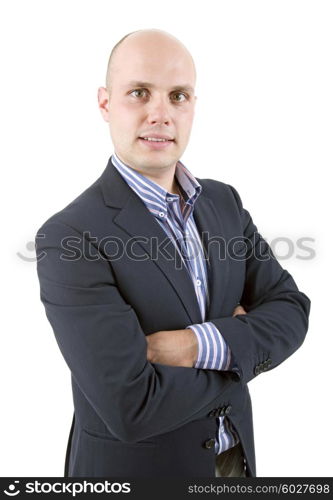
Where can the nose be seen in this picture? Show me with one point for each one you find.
(158, 111)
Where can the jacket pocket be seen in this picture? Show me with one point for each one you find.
(104, 456)
(109, 438)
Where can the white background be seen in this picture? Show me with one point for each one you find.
(263, 124)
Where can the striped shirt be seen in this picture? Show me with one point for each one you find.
(175, 216)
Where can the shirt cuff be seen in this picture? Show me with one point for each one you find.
(213, 351)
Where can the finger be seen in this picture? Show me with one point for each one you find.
(239, 310)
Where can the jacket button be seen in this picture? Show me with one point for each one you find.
(227, 410)
(209, 443)
(266, 365)
(269, 362)
(257, 370)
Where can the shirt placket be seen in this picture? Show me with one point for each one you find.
(191, 262)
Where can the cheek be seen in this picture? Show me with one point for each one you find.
(184, 122)
(124, 120)
(120, 115)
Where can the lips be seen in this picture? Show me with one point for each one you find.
(156, 137)
(156, 143)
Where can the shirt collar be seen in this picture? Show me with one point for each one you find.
(155, 196)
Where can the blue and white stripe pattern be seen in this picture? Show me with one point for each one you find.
(175, 216)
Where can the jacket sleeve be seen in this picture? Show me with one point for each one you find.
(277, 312)
(105, 348)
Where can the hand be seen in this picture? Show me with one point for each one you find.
(238, 310)
(173, 347)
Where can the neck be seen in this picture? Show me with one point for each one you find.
(165, 178)
(175, 188)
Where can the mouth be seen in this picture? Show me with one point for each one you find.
(156, 142)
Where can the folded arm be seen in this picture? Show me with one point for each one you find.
(200, 346)
(268, 330)
(277, 312)
(105, 347)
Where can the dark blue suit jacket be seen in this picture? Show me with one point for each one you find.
(107, 280)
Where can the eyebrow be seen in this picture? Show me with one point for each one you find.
(136, 83)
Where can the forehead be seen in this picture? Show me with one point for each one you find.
(163, 65)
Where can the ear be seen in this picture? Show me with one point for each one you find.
(103, 102)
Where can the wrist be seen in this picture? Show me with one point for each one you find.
(191, 345)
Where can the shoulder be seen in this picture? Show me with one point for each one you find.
(80, 212)
(221, 192)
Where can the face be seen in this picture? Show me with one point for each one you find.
(152, 96)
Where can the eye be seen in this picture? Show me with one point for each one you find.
(139, 93)
(180, 96)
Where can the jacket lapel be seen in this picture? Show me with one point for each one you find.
(134, 218)
(210, 227)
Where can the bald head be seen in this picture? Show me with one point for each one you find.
(142, 43)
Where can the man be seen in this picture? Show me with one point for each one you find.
(164, 299)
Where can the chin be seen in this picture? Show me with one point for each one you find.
(158, 161)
